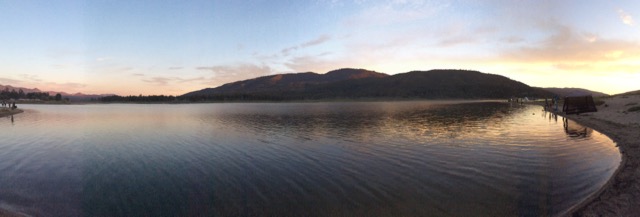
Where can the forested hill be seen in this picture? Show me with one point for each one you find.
(288, 82)
(364, 84)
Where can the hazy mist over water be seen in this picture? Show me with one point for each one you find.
(420, 158)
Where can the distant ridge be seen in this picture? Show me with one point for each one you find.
(72, 97)
(635, 92)
(562, 92)
(360, 83)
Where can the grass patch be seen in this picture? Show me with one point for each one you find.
(630, 104)
(634, 109)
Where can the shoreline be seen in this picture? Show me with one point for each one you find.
(620, 195)
(7, 112)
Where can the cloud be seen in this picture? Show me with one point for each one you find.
(603, 68)
(163, 81)
(9, 81)
(317, 41)
(102, 59)
(176, 68)
(60, 66)
(512, 39)
(323, 62)
(453, 41)
(137, 74)
(124, 69)
(159, 80)
(626, 18)
(30, 77)
(64, 86)
(321, 39)
(221, 74)
(563, 44)
(394, 12)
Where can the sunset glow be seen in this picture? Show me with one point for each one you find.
(150, 47)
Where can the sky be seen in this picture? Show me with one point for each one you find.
(174, 47)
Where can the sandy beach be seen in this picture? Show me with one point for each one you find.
(6, 112)
(620, 196)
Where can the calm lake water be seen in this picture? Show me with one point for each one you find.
(298, 159)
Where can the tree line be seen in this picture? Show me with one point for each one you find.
(138, 99)
(190, 99)
(7, 94)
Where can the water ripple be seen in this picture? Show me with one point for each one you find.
(299, 159)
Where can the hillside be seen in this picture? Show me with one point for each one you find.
(288, 82)
(635, 92)
(359, 83)
(562, 92)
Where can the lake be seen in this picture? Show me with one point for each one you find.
(418, 158)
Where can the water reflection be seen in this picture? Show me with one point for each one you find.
(550, 115)
(361, 120)
(298, 159)
(573, 129)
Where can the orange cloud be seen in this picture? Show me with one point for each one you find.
(565, 45)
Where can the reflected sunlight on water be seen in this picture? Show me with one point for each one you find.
(293, 159)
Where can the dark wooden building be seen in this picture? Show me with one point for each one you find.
(577, 104)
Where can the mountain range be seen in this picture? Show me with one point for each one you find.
(75, 97)
(350, 83)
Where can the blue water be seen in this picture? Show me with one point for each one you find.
(426, 158)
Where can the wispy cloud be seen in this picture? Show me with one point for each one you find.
(221, 74)
(512, 39)
(176, 68)
(237, 69)
(159, 80)
(320, 63)
(626, 18)
(321, 39)
(65, 86)
(603, 68)
(9, 81)
(393, 12)
(102, 59)
(564, 44)
(453, 41)
(124, 69)
(163, 81)
(30, 77)
(317, 41)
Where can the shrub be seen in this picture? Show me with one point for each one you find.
(634, 109)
